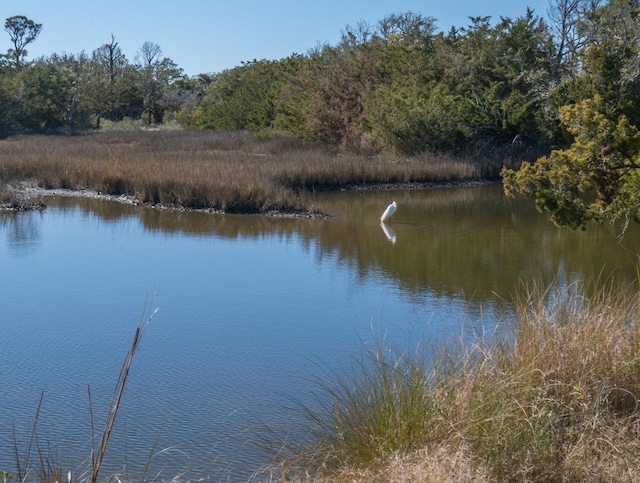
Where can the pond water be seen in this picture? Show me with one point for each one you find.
(252, 311)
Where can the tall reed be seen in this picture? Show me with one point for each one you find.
(97, 456)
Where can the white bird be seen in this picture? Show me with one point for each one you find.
(391, 209)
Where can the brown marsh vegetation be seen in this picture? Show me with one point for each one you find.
(225, 172)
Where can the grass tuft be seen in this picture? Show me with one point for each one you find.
(554, 397)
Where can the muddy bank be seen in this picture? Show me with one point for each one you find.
(420, 185)
(26, 198)
(12, 206)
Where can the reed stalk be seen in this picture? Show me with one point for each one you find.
(22, 467)
(97, 455)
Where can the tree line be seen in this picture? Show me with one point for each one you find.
(66, 91)
(398, 86)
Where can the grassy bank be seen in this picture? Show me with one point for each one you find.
(553, 398)
(227, 172)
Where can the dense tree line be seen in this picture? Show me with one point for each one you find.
(402, 86)
(399, 85)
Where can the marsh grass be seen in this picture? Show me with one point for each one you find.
(230, 172)
(552, 397)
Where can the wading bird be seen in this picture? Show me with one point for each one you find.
(391, 209)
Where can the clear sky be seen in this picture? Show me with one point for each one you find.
(209, 36)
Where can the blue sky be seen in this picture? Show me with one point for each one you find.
(208, 36)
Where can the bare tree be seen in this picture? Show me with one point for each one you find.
(149, 54)
(107, 87)
(158, 74)
(110, 56)
(566, 18)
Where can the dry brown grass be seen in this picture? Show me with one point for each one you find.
(424, 465)
(228, 172)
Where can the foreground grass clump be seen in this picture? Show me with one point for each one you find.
(229, 172)
(555, 397)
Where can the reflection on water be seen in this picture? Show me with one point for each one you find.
(250, 307)
(457, 240)
(471, 242)
(22, 231)
(388, 232)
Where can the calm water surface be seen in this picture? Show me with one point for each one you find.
(251, 310)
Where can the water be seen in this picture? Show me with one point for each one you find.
(251, 311)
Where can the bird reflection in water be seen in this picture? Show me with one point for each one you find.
(388, 231)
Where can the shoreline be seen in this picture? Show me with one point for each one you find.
(27, 198)
(26, 195)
